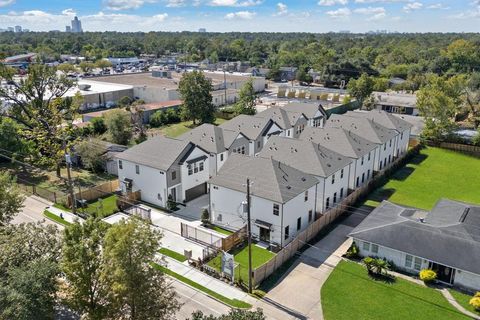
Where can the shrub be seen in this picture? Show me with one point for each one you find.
(205, 217)
(376, 266)
(353, 251)
(428, 275)
(99, 126)
(475, 301)
(158, 119)
(171, 205)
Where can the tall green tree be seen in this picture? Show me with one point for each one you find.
(82, 264)
(45, 116)
(361, 88)
(119, 126)
(11, 143)
(246, 101)
(28, 271)
(472, 98)
(11, 199)
(136, 289)
(195, 91)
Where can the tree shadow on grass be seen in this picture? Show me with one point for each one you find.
(418, 159)
(385, 278)
(382, 194)
(403, 173)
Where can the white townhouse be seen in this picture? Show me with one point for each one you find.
(282, 198)
(359, 150)
(313, 111)
(372, 131)
(331, 169)
(161, 167)
(446, 239)
(255, 129)
(389, 121)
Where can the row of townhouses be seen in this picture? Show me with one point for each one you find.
(299, 162)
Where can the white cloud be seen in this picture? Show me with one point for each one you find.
(117, 5)
(243, 15)
(438, 6)
(328, 3)
(374, 13)
(176, 3)
(282, 9)
(234, 3)
(4, 3)
(69, 12)
(412, 6)
(382, 1)
(341, 13)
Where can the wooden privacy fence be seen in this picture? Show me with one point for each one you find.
(96, 192)
(287, 252)
(212, 240)
(234, 239)
(456, 147)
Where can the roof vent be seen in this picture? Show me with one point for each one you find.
(422, 220)
(288, 187)
(303, 179)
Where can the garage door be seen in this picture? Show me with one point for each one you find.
(195, 192)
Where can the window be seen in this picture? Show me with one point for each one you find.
(380, 165)
(201, 166)
(120, 164)
(310, 215)
(174, 175)
(417, 264)
(385, 146)
(358, 181)
(299, 223)
(385, 162)
(389, 158)
(366, 246)
(137, 169)
(369, 155)
(327, 203)
(390, 143)
(221, 157)
(363, 177)
(341, 174)
(288, 133)
(276, 209)
(287, 232)
(408, 261)
(362, 160)
(335, 197)
(333, 178)
(368, 174)
(374, 248)
(258, 144)
(341, 193)
(243, 150)
(159, 196)
(306, 195)
(401, 136)
(190, 169)
(195, 167)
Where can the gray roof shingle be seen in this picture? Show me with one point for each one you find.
(383, 118)
(250, 126)
(339, 140)
(270, 179)
(207, 136)
(304, 155)
(449, 233)
(309, 109)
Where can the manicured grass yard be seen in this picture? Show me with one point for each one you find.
(463, 299)
(259, 257)
(177, 129)
(56, 218)
(349, 293)
(103, 206)
(172, 254)
(221, 230)
(434, 174)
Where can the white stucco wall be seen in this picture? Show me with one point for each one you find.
(467, 280)
(153, 94)
(329, 189)
(387, 149)
(358, 169)
(196, 178)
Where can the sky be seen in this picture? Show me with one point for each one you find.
(245, 15)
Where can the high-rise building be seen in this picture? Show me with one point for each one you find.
(10, 29)
(202, 30)
(68, 29)
(18, 28)
(76, 25)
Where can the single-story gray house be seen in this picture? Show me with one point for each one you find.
(445, 239)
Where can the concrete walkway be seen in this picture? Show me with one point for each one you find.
(67, 216)
(205, 280)
(454, 303)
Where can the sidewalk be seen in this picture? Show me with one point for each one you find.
(205, 280)
(67, 216)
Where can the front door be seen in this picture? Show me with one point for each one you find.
(264, 234)
(173, 193)
(444, 273)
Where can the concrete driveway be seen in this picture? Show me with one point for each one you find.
(193, 209)
(306, 277)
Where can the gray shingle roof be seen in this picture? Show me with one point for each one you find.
(339, 140)
(449, 235)
(271, 179)
(249, 126)
(207, 136)
(363, 127)
(158, 152)
(278, 115)
(309, 109)
(383, 118)
(304, 155)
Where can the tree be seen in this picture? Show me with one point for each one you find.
(158, 119)
(438, 102)
(246, 101)
(82, 263)
(136, 289)
(11, 142)
(205, 217)
(103, 64)
(472, 98)
(28, 271)
(235, 314)
(99, 126)
(91, 155)
(119, 126)
(195, 91)
(43, 114)
(66, 68)
(11, 199)
(124, 101)
(361, 88)
(86, 66)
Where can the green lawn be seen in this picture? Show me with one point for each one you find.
(56, 218)
(463, 299)
(231, 302)
(103, 206)
(177, 129)
(349, 293)
(220, 230)
(434, 174)
(172, 254)
(259, 257)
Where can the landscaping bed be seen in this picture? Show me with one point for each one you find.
(56, 218)
(350, 293)
(104, 207)
(464, 299)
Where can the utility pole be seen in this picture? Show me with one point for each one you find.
(68, 160)
(249, 237)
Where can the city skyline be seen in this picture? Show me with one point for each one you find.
(246, 15)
